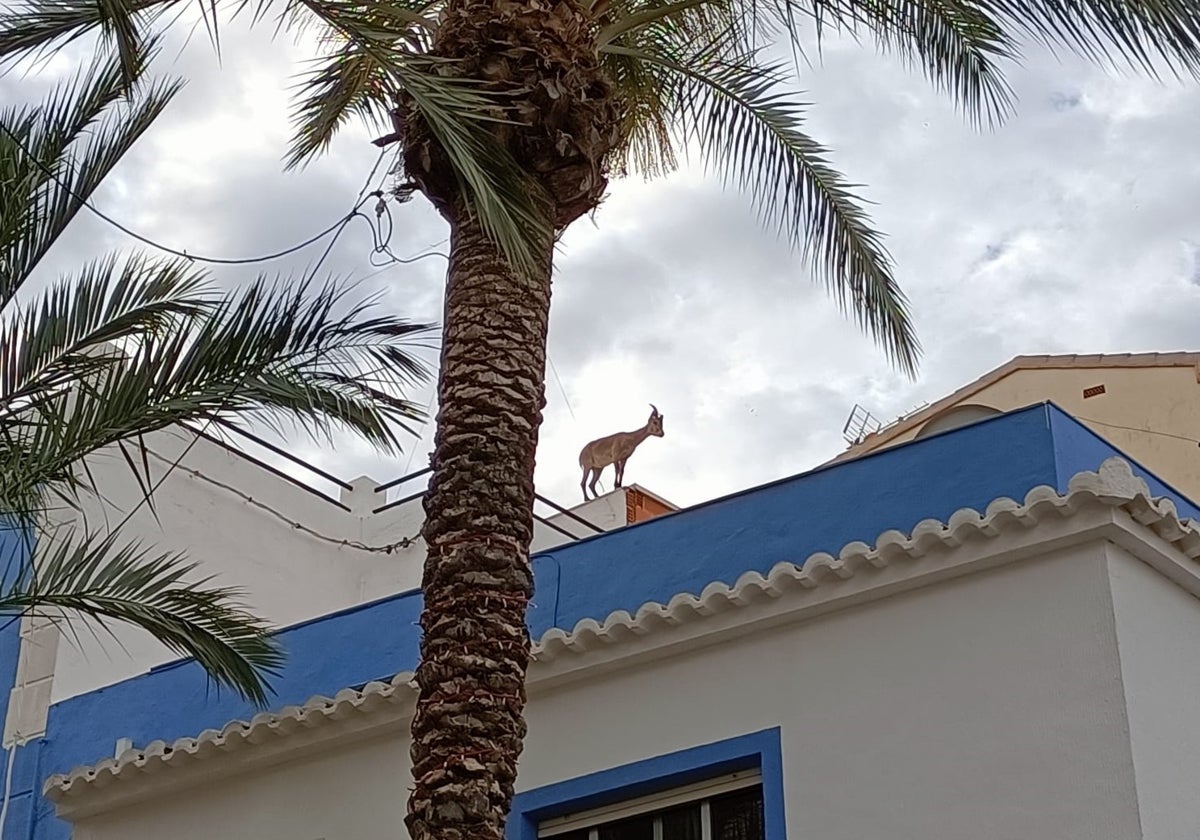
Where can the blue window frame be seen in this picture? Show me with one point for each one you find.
(756, 751)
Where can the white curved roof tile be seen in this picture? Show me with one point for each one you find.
(1114, 485)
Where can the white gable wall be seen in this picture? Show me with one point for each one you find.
(238, 522)
(1158, 629)
(287, 575)
(988, 708)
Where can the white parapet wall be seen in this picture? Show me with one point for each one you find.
(295, 551)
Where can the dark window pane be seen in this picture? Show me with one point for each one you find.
(737, 815)
(682, 823)
(578, 834)
(634, 828)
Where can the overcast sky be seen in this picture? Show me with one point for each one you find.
(1075, 227)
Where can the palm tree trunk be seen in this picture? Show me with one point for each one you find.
(468, 729)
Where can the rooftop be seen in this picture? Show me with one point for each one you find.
(682, 552)
(1034, 362)
(1110, 502)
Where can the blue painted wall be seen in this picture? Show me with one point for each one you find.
(1077, 449)
(14, 565)
(348, 648)
(787, 520)
(790, 519)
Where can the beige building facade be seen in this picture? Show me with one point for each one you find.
(1145, 404)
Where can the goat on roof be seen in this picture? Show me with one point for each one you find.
(615, 449)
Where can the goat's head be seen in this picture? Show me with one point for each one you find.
(655, 423)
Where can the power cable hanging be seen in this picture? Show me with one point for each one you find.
(1136, 429)
(182, 253)
(341, 226)
(381, 241)
(561, 389)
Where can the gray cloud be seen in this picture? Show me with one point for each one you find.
(1070, 228)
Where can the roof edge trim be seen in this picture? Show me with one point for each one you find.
(1113, 486)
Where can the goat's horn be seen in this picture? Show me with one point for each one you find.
(652, 408)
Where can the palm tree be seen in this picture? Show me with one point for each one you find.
(128, 346)
(511, 116)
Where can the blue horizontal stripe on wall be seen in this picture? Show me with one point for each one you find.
(787, 520)
(791, 519)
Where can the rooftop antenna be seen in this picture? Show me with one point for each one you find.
(859, 424)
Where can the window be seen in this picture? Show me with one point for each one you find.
(740, 779)
(727, 808)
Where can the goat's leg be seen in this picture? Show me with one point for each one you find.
(595, 479)
(583, 482)
(619, 467)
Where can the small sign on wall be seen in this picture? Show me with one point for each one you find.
(1094, 391)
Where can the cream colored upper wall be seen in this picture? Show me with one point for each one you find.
(1163, 399)
(988, 708)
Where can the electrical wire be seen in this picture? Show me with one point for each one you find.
(340, 223)
(341, 226)
(381, 241)
(561, 389)
(388, 548)
(1136, 429)
(417, 257)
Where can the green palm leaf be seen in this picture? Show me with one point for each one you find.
(105, 580)
(275, 354)
(71, 326)
(958, 45)
(752, 136)
(128, 346)
(76, 137)
(348, 83)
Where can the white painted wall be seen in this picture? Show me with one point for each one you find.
(1158, 633)
(243, 536)
(238, 521)
(394, 524)
(986, 708)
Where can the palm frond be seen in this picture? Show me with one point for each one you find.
(105, 580)
(70, 332)
(40, 26)
(348, 83)
(647, 14)
(1139, 33)
(303, 356)
(961, 44)
(673, 30)
(958, 45)
(54, 156)
(647, 143)
(349, 79)
(753, 136)
(512, 207)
